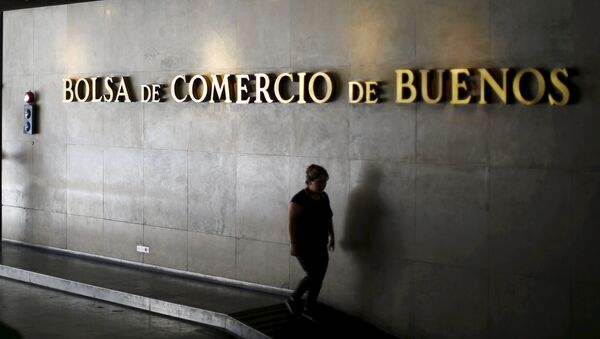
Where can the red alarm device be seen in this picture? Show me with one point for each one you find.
(29, 97)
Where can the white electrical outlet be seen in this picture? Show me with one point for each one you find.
(143, 249)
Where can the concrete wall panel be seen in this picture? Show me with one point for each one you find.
(50, 40)
(530, 137)
(449, 34)
(383, 133)
(263, 34)
(452, 134)
(583, 18)
(382, 32)
(213, 129)
(393, 311)
(438, 291)
(530, 227)
(85, 180)
(168, 247)
(320, 132)
(527, 32)
(17, 165)
(586, 48)
(457, 233)
(85, 123)
(586, 310)
(380, 215)
(265, 130)
(123, 184)
(262, 198)
(175, 39)
(87, 38)
(123, 125)
(211, 193)
(165, 188)
(16, 224)
(18, 34)
(212, 254)
(310, 47)
(49, 228)
(166, 126)
(85, 234)
(120, 240)
(585, 221)
(452, 34)
(124, 21)
(49, 177)
(262, 262)
(161, 45)
(579, 127)
(528, 307)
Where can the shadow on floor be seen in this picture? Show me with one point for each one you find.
(7, 332)
(277, 322)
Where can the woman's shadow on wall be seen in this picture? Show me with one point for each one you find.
(365, 234)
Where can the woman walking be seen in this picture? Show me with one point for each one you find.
(311, 231)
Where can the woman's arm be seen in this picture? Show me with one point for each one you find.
(293, 213)
(331, 236)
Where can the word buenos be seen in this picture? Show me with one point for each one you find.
(460, 91)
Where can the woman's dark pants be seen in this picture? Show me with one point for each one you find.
(315, 265)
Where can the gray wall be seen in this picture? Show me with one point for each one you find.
(452, 221)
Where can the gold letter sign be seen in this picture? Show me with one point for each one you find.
(457, 86)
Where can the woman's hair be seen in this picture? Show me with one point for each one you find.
(314, 171)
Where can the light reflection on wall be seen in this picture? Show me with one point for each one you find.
(450, 36)
(77, 51)
(216, 52)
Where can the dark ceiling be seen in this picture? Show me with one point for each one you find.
(6, 5)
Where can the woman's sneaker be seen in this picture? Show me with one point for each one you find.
(309, 313)
(292, 305)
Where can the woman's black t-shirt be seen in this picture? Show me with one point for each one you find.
(313, 222)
